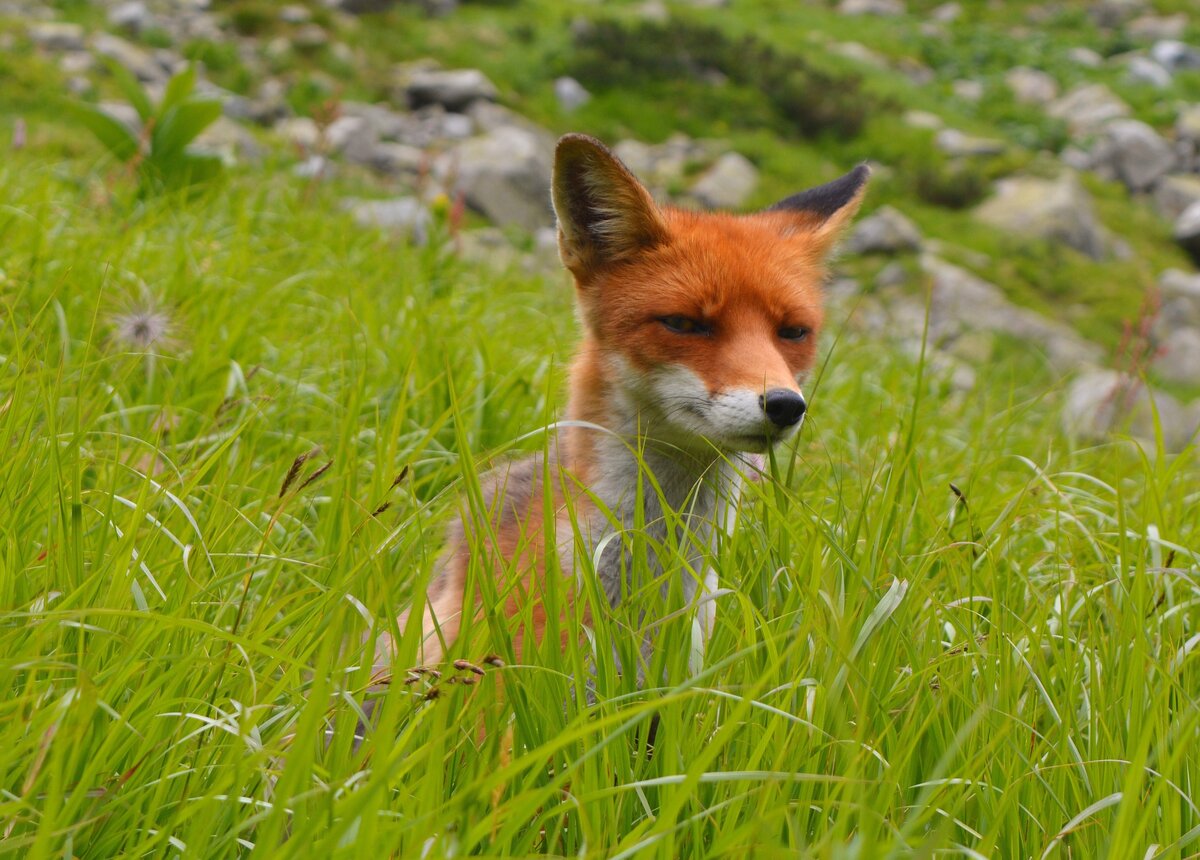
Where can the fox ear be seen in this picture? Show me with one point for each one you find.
(822, 213)
(604, 214)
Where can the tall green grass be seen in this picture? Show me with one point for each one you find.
(945, 630)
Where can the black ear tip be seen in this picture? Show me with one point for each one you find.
(826, 199)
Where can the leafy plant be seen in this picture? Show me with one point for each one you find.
(158, 152)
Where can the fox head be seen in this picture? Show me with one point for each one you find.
(704, 323)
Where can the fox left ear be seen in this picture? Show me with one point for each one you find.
(822, 213)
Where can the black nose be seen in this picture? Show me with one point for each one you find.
(785, 408)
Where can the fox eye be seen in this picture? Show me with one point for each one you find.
(793, 332)
(679, 324)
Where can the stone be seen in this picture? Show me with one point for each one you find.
(860, 53)
(967, 89)
(309, 37)
(300, 132)
(961, 301)
(1058, 210)
(727, 184)
(885, 8)
(1151, 27)
(1178, 357)
(885, 231)
(295, 14)
(1174, 194)
(923, 119)
(1031, 86)
(1175, 56)
(137, 61)
(1114, 13)
(1135, 154)
(571, 94)
(314, 167)
(1087, 108)
(1187, 231)
(1187, 123)
(1085, 57)
(1101, 403)
(891, 276)
(1178, 304)
(133, 16)
(77, 63)
(56, 36)
(230, 141)
(664, 164)
(395, 159)
(946, 13)
(1143, 70)
(123, 113)
(956, 143)
(406, 215)
(453, 89)
(505, 175)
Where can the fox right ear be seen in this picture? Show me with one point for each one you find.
(604, 214)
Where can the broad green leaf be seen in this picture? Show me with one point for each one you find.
(179, 89)
(130, 88)
(114, 134)
(181, 125)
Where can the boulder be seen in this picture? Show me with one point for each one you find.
(1100, 403)
(1187, 230)
(230, 141)
(571, 94)
(139, 62)
(1179, 303)
(56, 36)
(133, 17)
(1151, 27)
(956, 143)
(505, 175)
(1174, 194)
(1133, 153)
(1187, 123)
(1031, 86)
(1178, 356)
(1175, 56)
(406, 215)
(453, 89)
(886, 231)
(727, 184)
(1085, 57)
(1143, 70)
(886, 8)
(1087, 108)
(1059, 210)
(1114, 13)
(968, 89)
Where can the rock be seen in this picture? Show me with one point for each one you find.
(860, 53)
(1174, 194)
(891, 276)
(726, 184)
(56, 36)
(654, 11)
(1187, 124)
(139, 62)
(885, 8)
(923, 119)
(570, 94)
(1187, 230)
(505, 175)
(453, 89)
(968, 90)
(76, 62)
(1134, 153)
(230, 141)
(1087, 108)
(956, 143)
(1178, 357)
(1085, 57)
(300, 132)
(1059, 210)
(309, 37)
(1031, 86)
(946, 13)
(314, 167)
(267, 107)
(295, 14)
(133, 16)
(1114, 13)
(406, 215)
(123, 113)
(662, 165)
(1143, 70)
(1152, 27)
(886, 231)
(961, 301)
(1179, 303)
(1100, 403)
(1175, 56)
(395, 159)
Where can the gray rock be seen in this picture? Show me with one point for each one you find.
(946, 13)
(1085, 57)
(654, 10)
(1114, 13)
(310, 36)
(133, 16)
(505, 175)
(143, 65)
(968, 90)
(123, 113)
(1174, 194)
(230, 141)
(1100, 403)
(956, 143)
(406, 215)
(1135, 154)
(1187, 124)
(1031, 86)
(314, 167)
(1187, 230)
(885, 8)
(961, 301)
(664, 164)
(726, 184)
(1059, 210)
(1178, 357)
(1175, 56)
(1177, 286)
(923, 119)
(300, 132)
(395, 159)
(571, 94)
(1143, 70)
(77, 62)
(860, 53)
(453, 89)
(295, 14)
(1151, 27)
(56, 36)
(1088, 107)
(886, 231)
(891, 276)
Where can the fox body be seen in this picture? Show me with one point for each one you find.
(698, 329)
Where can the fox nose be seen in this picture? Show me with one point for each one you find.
(785, 408)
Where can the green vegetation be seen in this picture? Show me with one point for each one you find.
(948, 630)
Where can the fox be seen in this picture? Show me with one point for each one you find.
(698, 331)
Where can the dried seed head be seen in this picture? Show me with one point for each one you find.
(466, 666)
(493, 660)
(141, 328)
(432, 693)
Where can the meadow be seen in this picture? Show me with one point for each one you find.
(236, 425)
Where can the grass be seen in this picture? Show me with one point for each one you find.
(947, 629)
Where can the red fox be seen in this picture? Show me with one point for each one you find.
(698, 329)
